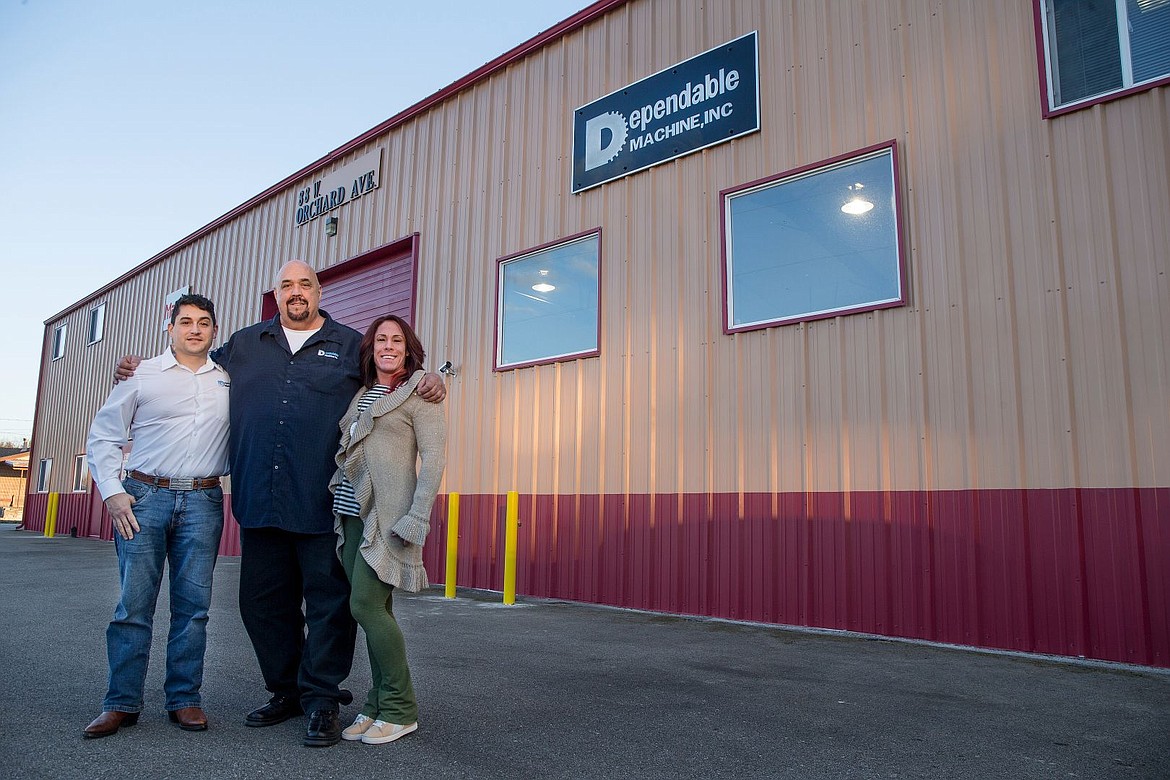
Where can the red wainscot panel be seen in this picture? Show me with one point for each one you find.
(1066, 572)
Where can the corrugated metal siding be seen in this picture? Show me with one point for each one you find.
(908, 471)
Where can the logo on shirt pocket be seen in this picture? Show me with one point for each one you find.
(330, 355)
(222, 383)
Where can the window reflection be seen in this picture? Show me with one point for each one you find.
(548, 303)
(815, 243)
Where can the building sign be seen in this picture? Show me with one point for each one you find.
(710, 98)
(169, 303)
(347, 183)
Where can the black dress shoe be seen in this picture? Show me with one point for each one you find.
(324, 729)
(277, 710)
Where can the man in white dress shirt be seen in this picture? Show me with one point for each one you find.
(169, 508)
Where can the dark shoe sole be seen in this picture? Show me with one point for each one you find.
(98, 734)
(321, 741)
(256, 723)
(185, 726)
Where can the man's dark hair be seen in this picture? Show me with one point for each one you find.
(198, 301)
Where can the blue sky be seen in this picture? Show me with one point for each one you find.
(126, 125)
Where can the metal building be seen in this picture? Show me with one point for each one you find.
(847, 315)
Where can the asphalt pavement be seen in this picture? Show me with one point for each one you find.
(551, 689)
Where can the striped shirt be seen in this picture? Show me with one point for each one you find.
(344, 499)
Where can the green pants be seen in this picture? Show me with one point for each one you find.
(372, 603)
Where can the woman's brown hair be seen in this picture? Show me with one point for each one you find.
(415, 355)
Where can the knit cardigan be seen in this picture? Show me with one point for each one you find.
(378, 452)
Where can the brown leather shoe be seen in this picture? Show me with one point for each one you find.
(108, 723)
(189, 718)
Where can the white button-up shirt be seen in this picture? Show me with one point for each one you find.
(178, 419)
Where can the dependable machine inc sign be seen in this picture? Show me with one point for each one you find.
(708, 99)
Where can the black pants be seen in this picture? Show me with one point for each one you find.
(279, 570)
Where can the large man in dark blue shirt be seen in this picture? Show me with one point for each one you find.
(292, 379)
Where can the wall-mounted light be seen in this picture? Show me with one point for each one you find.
(542, 286)
(856, 205)
(331, 226)
(446, 369)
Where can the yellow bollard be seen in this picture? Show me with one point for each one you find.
(511, 532)
(452, 543)
(51, 515)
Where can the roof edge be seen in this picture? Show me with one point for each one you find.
(538, 41)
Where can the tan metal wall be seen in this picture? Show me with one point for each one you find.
(1033, 352)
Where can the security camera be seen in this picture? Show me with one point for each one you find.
(446, 369)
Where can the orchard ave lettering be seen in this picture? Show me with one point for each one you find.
(332, 191)
(312, 203)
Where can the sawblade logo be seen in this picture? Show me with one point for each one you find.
(605, 137)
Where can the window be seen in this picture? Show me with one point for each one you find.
(79, 473)
(816, 242)
(43, 474)
(59, 341)
(547, 303)
(97, 323)
(1095, 48)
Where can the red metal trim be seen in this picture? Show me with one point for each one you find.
(1041, 59)
(1106, 98)
(577, 20)
(496, 367)
(414, 249)
(899, 226)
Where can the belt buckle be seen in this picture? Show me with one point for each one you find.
(183, 483)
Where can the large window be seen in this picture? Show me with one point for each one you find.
(97, 323)
(816, 242)
(547, 303)
(43, 473)
(1095, 48)
(59, 341)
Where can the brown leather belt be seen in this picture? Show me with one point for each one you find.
(176, 483)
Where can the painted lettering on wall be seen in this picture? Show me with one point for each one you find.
(343, 185)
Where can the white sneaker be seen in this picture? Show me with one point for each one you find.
(381, 732)
(360, 726)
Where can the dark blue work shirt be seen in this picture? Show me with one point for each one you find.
(284, 414)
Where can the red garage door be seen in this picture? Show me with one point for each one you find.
(361, 289)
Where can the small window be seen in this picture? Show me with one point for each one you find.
(79, 473)
(817, 242)
(547, 303)
(43, 473)
(59, 341)
(1096, 48)
(97, 323)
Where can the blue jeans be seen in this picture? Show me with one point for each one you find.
(182, 528)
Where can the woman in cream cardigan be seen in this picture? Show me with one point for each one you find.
(382, 510)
